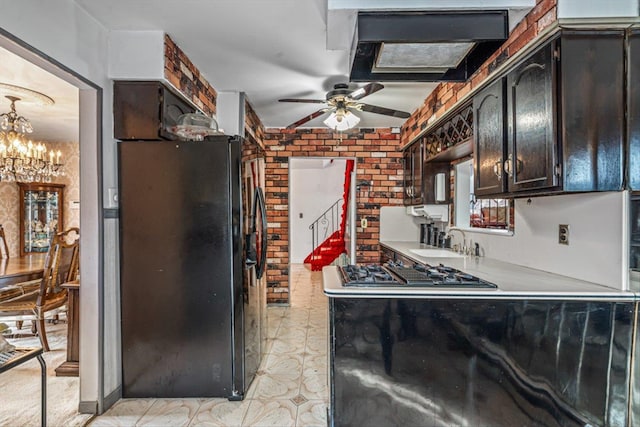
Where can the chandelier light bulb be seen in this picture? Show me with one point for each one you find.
(21, 159)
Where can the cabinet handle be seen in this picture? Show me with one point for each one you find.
(497, 169)
(518, 166)
(507, 165)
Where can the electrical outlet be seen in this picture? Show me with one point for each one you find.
(363, 223)
(563, 234)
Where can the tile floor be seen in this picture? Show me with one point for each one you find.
(20, 386)
(290, 388)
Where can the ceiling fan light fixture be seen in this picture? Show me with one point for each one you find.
(341, 120)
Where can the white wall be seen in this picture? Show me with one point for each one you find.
(396, 225)
(597, 8)
(136, 55)
(595, 251)
(314, 185)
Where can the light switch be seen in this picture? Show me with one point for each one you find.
(112, 195)
(300, 214)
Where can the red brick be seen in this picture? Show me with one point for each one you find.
(522, 40)
(549, 18)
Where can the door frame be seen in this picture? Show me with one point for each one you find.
(92, 236)
(351, 222)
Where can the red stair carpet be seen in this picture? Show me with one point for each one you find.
(334, 245)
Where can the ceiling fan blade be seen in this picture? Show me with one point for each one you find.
(365, 90)
(308, 101)
(307, 118)
(386, 111)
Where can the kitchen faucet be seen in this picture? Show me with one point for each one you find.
(463, 249)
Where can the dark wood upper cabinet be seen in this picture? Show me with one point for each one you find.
(146, 110)
(565, 116)
(489, 124)
(532, 153)
(633, 82)
(592, 114)
(413, 187)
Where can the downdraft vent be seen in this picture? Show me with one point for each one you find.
(425, 46)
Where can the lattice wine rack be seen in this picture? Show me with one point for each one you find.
(458, 129)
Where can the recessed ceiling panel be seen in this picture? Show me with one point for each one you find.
(425, 46)
(421, 56)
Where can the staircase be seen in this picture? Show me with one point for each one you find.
(333, 245)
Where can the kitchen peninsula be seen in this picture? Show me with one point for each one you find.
(538, 347)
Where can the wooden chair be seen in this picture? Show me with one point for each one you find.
(4, 248)
(37, 298)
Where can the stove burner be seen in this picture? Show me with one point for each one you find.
(366, 275)
(396, 274)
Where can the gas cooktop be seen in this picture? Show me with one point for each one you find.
(418, 275)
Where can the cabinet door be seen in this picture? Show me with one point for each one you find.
(172, 108)
(532, 149)
(417, 160)
(634, 110)
(490, 140)
(136, 110)
(407, 177)
(41, 216)
(412, 176)
(592, 106)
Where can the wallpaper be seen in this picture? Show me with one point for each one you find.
(10, 204)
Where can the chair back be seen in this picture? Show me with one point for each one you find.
(4, 248)
(60, 265)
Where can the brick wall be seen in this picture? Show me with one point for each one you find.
(445, 95)
(378, 161)
(379, 178)
(253, 127)
(184, 76)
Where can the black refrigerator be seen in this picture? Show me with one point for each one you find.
(192, 260)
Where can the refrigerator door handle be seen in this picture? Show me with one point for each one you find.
(251, 257)
(260, 204)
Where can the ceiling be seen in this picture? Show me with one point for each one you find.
(57, 122)
(269, 49)
(272, 49)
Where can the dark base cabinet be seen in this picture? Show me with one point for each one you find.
(435, 362)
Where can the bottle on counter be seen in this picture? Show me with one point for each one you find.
(433, 241)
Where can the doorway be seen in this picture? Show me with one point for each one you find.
(315, 186)
(82, 178)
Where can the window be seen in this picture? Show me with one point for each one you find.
(494, 214)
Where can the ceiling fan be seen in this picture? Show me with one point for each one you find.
(340, 102)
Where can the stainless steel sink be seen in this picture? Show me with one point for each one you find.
(436, 253)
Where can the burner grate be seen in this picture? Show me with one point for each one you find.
(396, 274)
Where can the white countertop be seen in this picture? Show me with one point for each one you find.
(513, 281)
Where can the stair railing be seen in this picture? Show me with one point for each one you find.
(330, 218)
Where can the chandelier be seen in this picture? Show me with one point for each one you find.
(21, 159)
